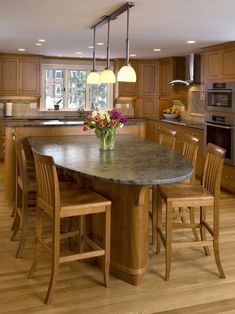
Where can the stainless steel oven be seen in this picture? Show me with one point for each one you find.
(220, 97)
(220, 130)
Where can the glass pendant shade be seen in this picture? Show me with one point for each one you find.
(107, 76)
(93, 77)
(126, 74)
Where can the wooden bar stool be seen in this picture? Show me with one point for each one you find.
(191, 195)
(25, 195)
(61, 203)
(167, 138)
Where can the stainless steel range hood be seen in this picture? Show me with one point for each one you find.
(192, 71)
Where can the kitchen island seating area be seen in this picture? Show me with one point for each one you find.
(122, 175)
(190, 195)
(64, 203)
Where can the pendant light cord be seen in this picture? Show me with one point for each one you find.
(108, 44)
(94, 63)
(127, 38)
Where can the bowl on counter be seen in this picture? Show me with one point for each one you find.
(171, 115)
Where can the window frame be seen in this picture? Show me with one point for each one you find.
(66, 68)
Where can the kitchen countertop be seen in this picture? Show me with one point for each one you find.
(144, 162)
(58, 122)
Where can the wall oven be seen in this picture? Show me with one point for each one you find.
(220, 130)
(220, 97)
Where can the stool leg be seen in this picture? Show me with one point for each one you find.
(158, 222)
(15, 225)
(38, 244)
(107, 236)
(154, 213)
(168, 251)
(203, 229)
(216, 242)
(192, 221)
(55, 260)
(24, 225)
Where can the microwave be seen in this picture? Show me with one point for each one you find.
(220, 96)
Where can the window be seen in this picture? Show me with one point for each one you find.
(69, 84)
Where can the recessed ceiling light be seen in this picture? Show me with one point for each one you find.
(78, 53)
(38, 44)
(157, 49)
(90, 47)
(132, 55)
(21, 49)
(99, 44)
(41, 40)
(191, 42)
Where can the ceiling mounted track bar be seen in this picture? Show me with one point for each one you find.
(114, 14)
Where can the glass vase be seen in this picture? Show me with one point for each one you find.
(107, 140)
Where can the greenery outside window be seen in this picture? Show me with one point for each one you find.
(69, 84)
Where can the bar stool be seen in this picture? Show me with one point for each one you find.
(191, 195)
(25, 195)
(167, 138)
(61, 203)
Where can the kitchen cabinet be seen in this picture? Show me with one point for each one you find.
(228, 178)
(148, 88)
(170, 69)
(220, 64)
(19, 76)
(145, 90)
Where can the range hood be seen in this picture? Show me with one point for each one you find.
(192, 71)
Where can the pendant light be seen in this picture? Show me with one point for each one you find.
(93, 77)
(107, 76)
(127, 73)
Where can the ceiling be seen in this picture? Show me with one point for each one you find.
(65, 25)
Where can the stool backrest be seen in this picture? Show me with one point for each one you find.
(212, 172)
(21, 162)
(48, 194)
(190, 150)
(167, 137)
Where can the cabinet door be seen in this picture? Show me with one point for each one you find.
(228, 64)
(148, 79)
(165, 76)
(30, 77)
(148, 106)
(213, 65)
(9, 76)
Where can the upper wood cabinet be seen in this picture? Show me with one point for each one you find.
(220, 64)
(19, 76)
(148, 79)
(170, 69)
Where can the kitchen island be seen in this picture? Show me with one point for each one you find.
(123, 175)
(48, 128)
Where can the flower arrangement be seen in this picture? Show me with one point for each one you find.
(105, 125)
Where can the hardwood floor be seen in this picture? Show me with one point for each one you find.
(194, 286)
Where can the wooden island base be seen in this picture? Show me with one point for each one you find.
(129, 228)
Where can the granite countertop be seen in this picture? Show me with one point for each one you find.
(183, 122)
(133, 161)
(59, 122)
